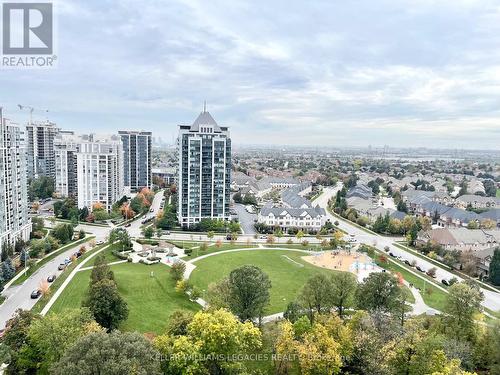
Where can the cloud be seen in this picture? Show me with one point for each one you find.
(320, 73)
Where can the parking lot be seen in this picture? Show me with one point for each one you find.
(245, 218)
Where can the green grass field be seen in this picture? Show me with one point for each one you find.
(286, 276)
(498, 193)
(150, 299)
(432, 296)
(107, 255)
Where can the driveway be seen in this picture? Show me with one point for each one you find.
(246, 219)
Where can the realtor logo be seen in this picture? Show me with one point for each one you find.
(28, 35)
(27, 28)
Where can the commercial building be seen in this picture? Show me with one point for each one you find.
(40, 148)
(14, 221)
(204, 171)
(136, 159)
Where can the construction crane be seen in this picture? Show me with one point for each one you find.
(31, 109)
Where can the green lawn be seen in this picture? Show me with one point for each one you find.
(287, 277)
(498, 193)
(150, 299)
(432, 296)
(107, 255)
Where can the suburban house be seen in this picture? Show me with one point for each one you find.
(477, 201)
(246, 184)
(484, 258)
(360, 191)
(461, 239)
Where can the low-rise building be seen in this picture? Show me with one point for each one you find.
(477, 201)
(461, 239)
(295, 211)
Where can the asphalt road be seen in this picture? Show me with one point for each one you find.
(246, 219)
(18, 296)
(491, 299)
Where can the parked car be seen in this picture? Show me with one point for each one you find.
(128, 225)
(433, 275)
(263, 237)
(100, 242)
(61, 266)
(152, 210)
(51, 278)
(166, 233)
(392, 255)
(407, 262)
(445, 282)
(36, 293)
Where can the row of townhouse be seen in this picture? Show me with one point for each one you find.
(259, 188)
(295, 211)
(370, 209)
(461, 239)
(446, 216)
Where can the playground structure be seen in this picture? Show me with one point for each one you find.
(344, 260)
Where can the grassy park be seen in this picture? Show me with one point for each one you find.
(150, 299)
(287, 271)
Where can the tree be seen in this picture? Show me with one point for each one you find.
(249, 292)
(343, 291)
(209, 334)
(53, 334)
(101, 270)
(110, 354)
(177, 270)
(379, 291)
(284, 347)
(15, 337)
(178, 322)
(319, 353)
(416, 352)
(40, 188)
(462, 303)
(62, 232)
(8, 270)
(316, 294)
(219, 294)
(148, 232)
(495, 267)
(293, 311)
(121, 236)
(106, 304)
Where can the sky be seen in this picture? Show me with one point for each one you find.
(320, 73)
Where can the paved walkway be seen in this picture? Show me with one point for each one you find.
(68, 280)
(419, 307)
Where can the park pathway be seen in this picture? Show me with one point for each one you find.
(68, 280)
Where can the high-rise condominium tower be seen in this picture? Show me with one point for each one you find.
(66, 147)
(204, 171)
(136, 159)
(99, 171)
(14, 221)
(40, 148)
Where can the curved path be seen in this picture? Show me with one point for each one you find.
(419, 307)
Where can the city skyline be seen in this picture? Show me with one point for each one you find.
(337, 83)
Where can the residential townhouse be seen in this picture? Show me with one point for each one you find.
(461, 239)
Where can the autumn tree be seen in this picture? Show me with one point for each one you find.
(249, 292)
